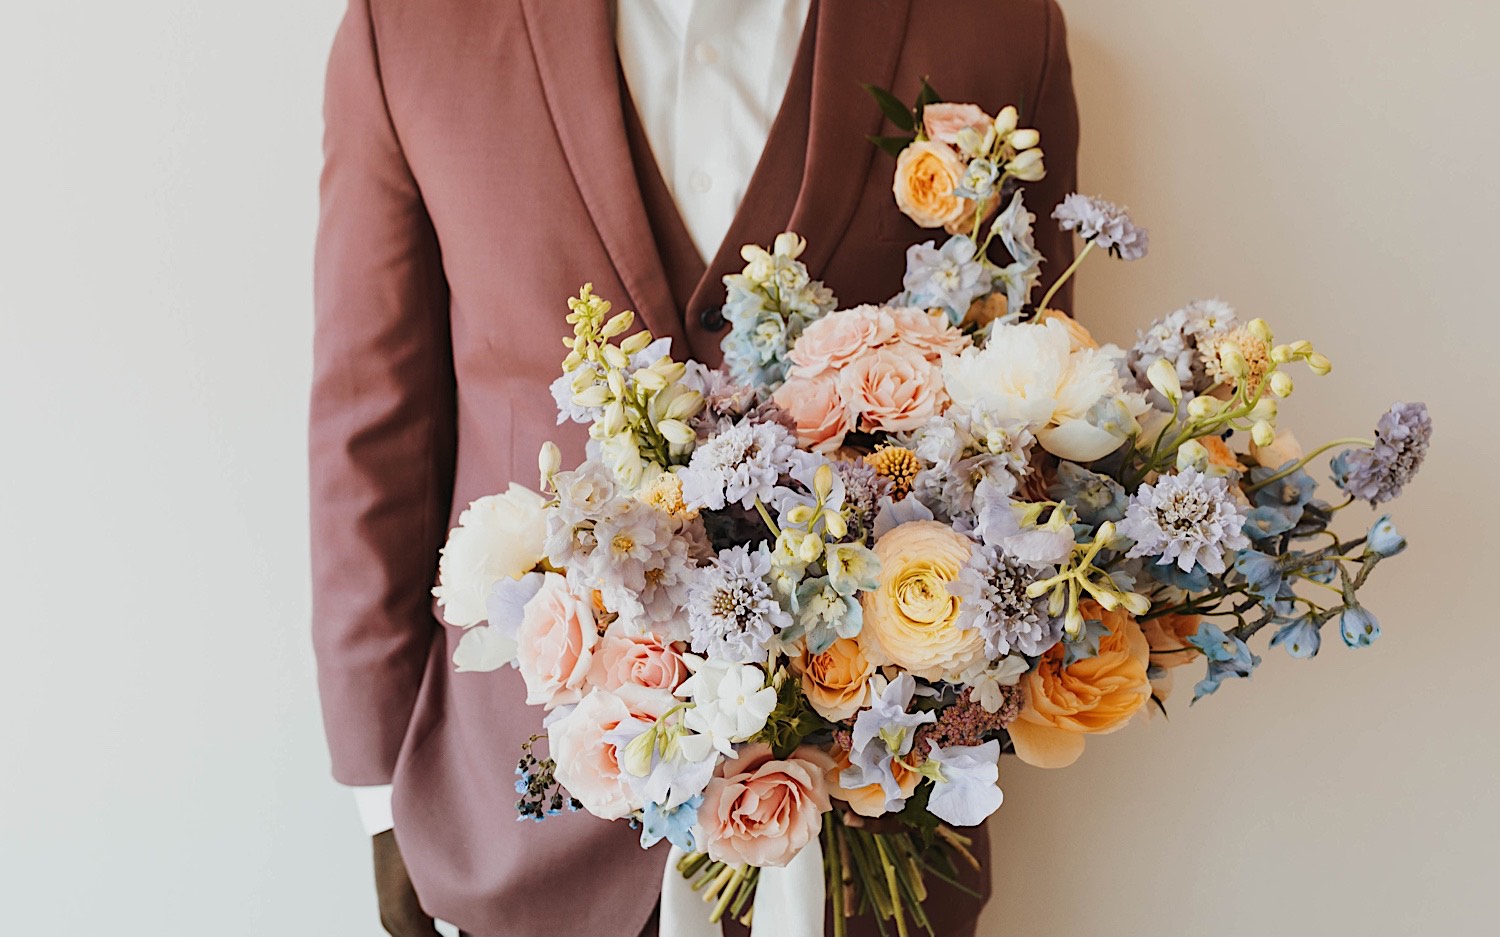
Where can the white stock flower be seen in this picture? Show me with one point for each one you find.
(497, 537)
(1032, 373)
(731, 702)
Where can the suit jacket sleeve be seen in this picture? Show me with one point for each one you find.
(381, 428)
(1054, 113)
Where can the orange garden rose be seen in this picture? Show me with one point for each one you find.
(1091, 697)
(834, 681)
(870, 800)
(911, 619)
(926, 175)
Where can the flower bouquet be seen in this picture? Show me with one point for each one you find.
(788, 614)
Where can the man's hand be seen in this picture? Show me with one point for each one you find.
(400, 913)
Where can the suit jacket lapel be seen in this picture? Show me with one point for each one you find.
(858, 42)
(574, 46)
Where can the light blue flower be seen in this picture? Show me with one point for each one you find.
(852, 567)
(978, 181)
(965, 782)
(1195, 580)
(823, 615)
(1301, 637)
(950, 278)
(1228, 656)
(1096, 498)
(1384, 539)
(893, 514)
(1263, 572)
(1358, 627)
(674, 825)
(1265, 521)
(1295, 490)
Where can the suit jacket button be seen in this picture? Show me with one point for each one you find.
(712, 318)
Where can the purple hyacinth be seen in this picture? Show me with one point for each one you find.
(1104, 223)
(1379, 473)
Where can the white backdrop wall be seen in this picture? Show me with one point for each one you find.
(1329, 166)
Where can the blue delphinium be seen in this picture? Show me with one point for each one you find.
(1228, 656)
(1300, 637)
(1384, 539)
(1358, 627)
(768, 305)
(674, 825)
(948, 278)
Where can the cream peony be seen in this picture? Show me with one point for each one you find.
(1034, 372)
(911, 619)
(497, 537)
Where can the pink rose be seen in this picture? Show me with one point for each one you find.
(761, 810)
(588, 765)
(637, 660)
(893, 389)
(928, 332)
(839, 337)
(822, 416)
(943, 122)
(555, 643)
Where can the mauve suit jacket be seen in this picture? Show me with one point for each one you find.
(477, 173)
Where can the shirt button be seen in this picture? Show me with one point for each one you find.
(700, 181)
(712, 318)
(705, 53)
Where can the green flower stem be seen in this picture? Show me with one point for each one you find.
(1067, 275)
(765, 515)
(834, 863)
(892, 887)
(1300, 463)
(748, 884)
(727, 893)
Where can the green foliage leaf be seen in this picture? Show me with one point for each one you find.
(915, 813)
(896, 112)
(791, 721)
(926, 96)
(892, 145)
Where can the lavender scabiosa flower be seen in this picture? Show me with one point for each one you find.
(732, 611)
(1379, 473)
(992, 590)
(1190, 518)
(863, 490)
(1103, 223)
(740, 463)
(950, 278)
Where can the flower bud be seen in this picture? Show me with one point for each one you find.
(1301, 347)
(1233, 359)
(1192, 454)
(1260, 329)
(648, 379)
(1201, 408)
(1027, 166)
(1319, 364)
(1108, 601)
(800, 516)
(837, 526)
(613, 419)
(1263, 433)
(1025, 139)
(1163, 376)
(1265, 410)
(1281, 354)
(670, 371)
(594, 395)
(677, 432)
(1281, 384)
(632, 344)
(548, 462)
(616, 381)
(1358, 627)
(618, 324)
(614, 356)
(684, 404)
(1135, 603)
(637, 760)
(823, 481)
(1384, 539)
(1007, 120)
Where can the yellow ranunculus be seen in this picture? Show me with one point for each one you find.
(1094, 696)
(911, 619)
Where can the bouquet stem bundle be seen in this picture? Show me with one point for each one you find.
(884, 874)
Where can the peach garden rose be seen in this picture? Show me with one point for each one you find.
(893, 389)
(640, 660)
(927, 172)
(818, 408)
(555, 644)
(762, 810)
(1094, 696)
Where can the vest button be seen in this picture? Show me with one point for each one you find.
(712, 318)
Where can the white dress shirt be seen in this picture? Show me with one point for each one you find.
(707, 78)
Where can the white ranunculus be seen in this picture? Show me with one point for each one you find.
(497, 537)
(1032, 372)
